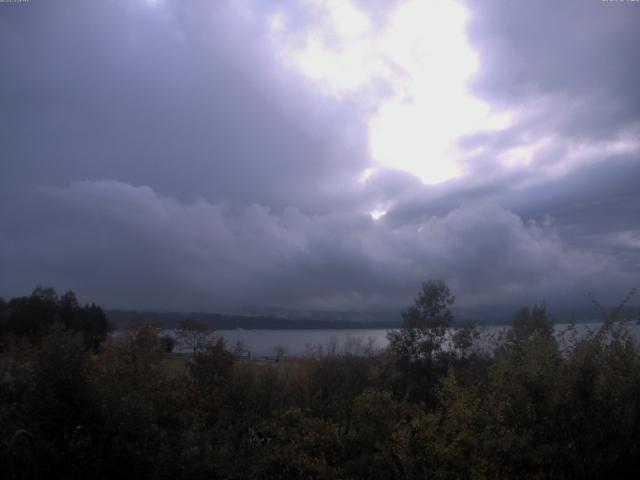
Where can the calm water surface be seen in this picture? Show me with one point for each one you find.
(265, 343)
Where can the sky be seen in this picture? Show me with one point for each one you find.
(319, 154)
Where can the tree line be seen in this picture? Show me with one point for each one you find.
(30, 318)
(435, 404)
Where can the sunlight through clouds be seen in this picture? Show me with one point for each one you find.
(324, 154)
(410, 76)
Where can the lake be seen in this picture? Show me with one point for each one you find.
(265, 343)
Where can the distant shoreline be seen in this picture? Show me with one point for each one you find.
(123, 319)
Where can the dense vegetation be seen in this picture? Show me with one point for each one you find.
(30, 318)
(432, 405)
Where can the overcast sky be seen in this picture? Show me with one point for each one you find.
(319, 154)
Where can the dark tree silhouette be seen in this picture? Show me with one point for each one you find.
(425, 323)
(32, 317)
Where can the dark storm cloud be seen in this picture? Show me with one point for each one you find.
(134, 248)
(566, 70)
(185, 99)
(162, 157)
(602, 196)
(581, 53)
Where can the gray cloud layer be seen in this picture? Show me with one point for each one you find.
(136, 246)
(163, 158)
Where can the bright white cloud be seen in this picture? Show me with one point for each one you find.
(421, 59)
